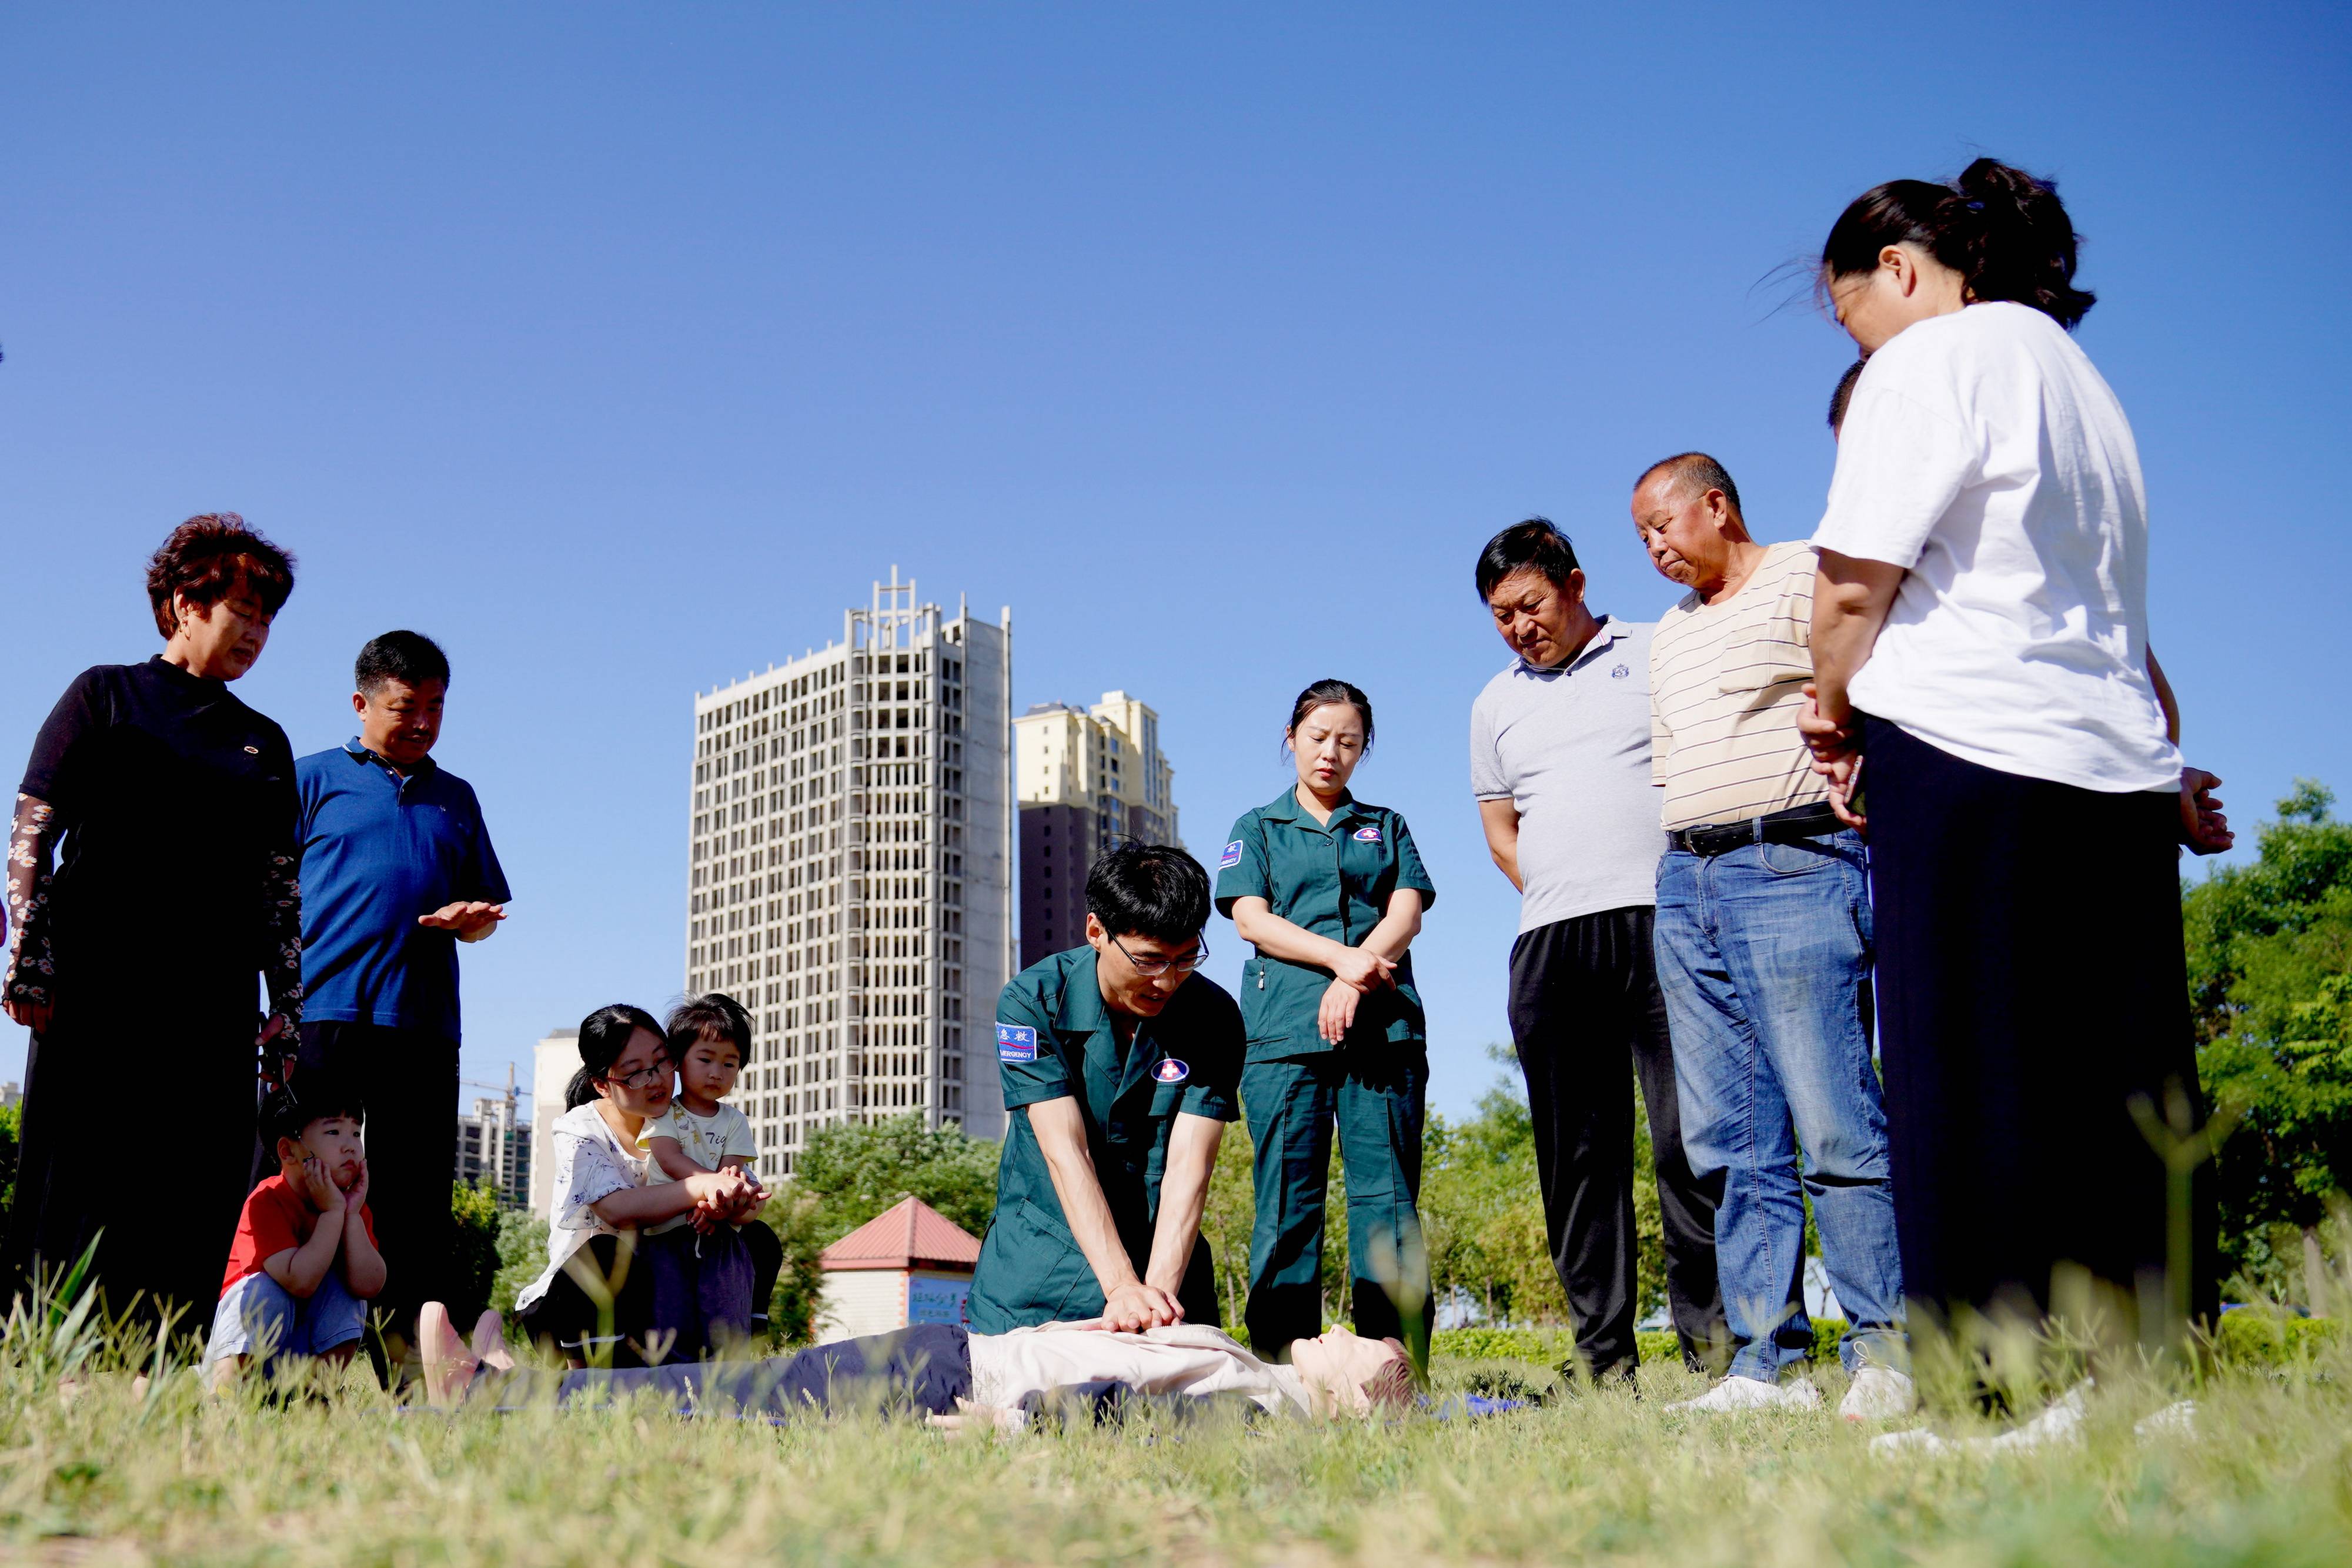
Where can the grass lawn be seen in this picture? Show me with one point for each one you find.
(95, 1473)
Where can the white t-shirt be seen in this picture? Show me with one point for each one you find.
(1984, 453)
(706, 1140)
(591, 1163)
(1181, 1358)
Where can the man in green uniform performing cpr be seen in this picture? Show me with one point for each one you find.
(1120, 1067)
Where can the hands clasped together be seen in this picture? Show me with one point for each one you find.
(1836, 746)
(1357, 973)
(725, 1196)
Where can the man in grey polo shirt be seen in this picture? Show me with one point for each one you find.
(1560, 761)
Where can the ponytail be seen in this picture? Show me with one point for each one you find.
(2003, 231)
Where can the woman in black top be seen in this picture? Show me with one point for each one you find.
(135, 962)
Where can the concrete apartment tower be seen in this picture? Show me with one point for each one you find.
(553, 1060)
(1086, 776)
(850, 875)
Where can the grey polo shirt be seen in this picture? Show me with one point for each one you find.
(1571, 747)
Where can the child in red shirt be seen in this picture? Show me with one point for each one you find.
(304, 1265)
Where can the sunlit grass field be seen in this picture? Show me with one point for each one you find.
(95, 1468)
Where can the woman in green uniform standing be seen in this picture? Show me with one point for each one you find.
(1329, 891)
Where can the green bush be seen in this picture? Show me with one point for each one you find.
(522, 1256)
(1554, 1345)
(12, 1127)
(473, 1260)
(1502, 1344)
(2250, 1337)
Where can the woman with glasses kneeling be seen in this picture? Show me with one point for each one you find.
(594, 1301)
(1329, 891)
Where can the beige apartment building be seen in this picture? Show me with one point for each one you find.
(850, 871)
(1086, 777)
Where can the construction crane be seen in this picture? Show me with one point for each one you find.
(501, 1164)
(508, 1087)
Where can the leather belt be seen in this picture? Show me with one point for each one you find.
(1779, 828)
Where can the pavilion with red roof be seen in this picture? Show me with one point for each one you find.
(909, 1264)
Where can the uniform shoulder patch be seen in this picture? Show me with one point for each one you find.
(1231, 857)
(1171, 1070)
(1367, 835)
(1015, 1042)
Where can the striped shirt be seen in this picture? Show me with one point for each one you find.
(1725, 684)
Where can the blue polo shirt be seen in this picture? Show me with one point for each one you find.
(378, 851)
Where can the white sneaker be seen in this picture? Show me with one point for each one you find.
(2176, 1420)
(1878, 1394)
(2060, 1422)
(1754, 1394)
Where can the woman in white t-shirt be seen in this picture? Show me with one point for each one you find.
(594, 1299)
(1986, 696)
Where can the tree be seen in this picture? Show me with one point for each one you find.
(522, 1256)
(1228, 1215)
(856, 1170)
(1482, 1210)
(473, 1261)
(793, 1215)
(2270, 982)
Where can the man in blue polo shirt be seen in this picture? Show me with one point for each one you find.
(397, 870)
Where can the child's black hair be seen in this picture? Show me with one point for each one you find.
(307, 1098)
(712, 1016)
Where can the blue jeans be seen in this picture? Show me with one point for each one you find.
(260, 1318)
(1764, 959)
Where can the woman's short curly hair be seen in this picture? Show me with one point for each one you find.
(212, 556)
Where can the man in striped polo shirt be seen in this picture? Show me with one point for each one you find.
(1763, 938)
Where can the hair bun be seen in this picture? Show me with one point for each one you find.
(2000, 228)
(2025, 246)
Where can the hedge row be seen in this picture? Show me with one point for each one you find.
(2247, 1337)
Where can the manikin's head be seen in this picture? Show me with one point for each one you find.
(1346, 1375)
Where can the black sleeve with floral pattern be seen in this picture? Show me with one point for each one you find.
(281, 957)
(31, 838)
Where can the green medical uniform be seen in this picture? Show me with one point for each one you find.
(1333, 879)
(1053, 1038)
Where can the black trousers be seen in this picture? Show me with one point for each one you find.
(1588, 1021)
(633, 1309)
(408, 1079)
(2031, 985)
(608, 1316)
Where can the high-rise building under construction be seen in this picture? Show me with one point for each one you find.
(850, 871)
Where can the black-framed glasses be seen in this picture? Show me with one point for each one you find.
(660, 1070)
(1152, 968)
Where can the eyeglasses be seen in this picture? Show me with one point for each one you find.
(1152, 968)
(654, 1074)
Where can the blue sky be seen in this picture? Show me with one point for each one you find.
(619, 347)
